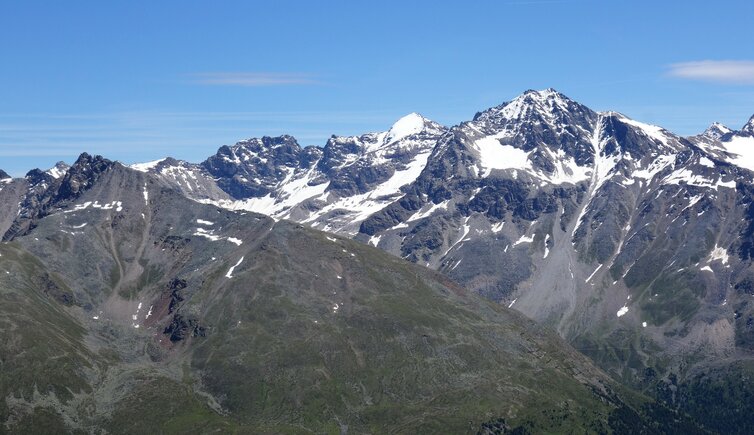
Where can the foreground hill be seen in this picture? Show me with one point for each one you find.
(128, 308)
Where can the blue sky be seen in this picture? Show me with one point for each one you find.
(136, 81)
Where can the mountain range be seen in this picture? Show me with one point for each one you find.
(632, 243)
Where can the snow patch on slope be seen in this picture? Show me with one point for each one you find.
(524, 239)
(685, 176)
(719, 253)
(290, 193)
(657, 165)
(147, 166)
(364, 205)
(742, 150)
(706, 162)
(622, 311)
(566, 170)
(494, 155)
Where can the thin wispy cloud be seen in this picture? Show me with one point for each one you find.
(253, 79)
(720, 71)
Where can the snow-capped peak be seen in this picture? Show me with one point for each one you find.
(716, 131)
(412, 123)
(548, 106)
(548, 97)
(543, 94)
(541, 101)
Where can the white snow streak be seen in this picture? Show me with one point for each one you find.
(428, 212)
(524, 239)
(593, 273)
(466, 229)
(230, 271)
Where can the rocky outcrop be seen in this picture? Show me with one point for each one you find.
(183, 327)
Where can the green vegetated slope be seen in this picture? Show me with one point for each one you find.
(403, 352)
(43, 358)
(138, 322)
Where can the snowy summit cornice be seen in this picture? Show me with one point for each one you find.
(411, 124)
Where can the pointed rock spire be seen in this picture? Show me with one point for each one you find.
(749, 127)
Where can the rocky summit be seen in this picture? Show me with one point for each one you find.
(252, 287)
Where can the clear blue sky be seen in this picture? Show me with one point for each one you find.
(138, 80)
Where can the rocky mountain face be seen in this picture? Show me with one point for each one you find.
(748, 129)
(635, 244)
(632, 242)
(41, 193)
(334, 187)
(128, 308)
